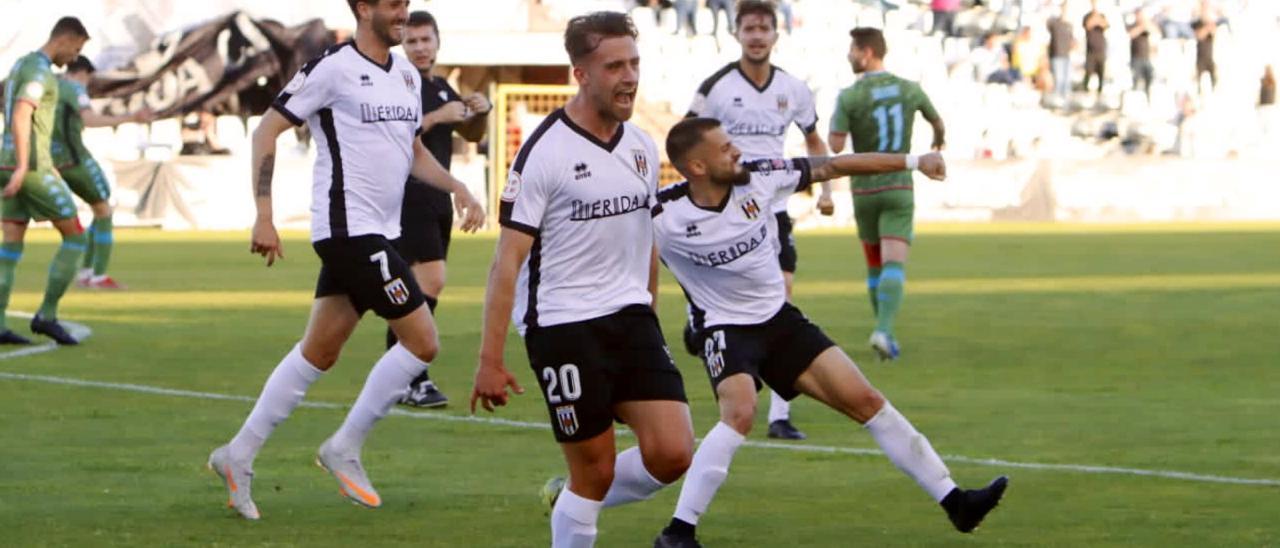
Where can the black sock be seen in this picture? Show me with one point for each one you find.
(681, 528)
(431, 303)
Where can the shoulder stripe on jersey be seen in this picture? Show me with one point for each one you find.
(527, 147)
(337, 192)
(283, 98)
(806, 173)
(673, 192)
(535, 277)
(505, 210)
(710, 82)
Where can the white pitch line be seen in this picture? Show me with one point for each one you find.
(997, 463)
(79, 331)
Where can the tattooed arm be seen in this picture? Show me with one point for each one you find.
(266, 241)
(827, 168)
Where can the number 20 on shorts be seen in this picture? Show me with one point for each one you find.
(564, 384)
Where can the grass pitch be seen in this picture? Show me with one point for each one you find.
(1150, 348)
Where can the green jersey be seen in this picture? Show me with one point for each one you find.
(31, 80)
(877, 112)
(68, 125)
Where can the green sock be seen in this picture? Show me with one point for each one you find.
(61, 272)
(10, 254)
(889, 295)
(100, 245)
(87, 260)
(873, 282)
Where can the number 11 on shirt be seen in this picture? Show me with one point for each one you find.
(883, 114)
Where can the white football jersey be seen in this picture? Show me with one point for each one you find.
(364, 117)
(756, 118)
(724, 257)
(586, 203)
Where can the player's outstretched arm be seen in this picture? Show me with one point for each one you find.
(266, 241)
(22, 112)
(492, 377)
(815, 147)
(428, 170)
(871, 163)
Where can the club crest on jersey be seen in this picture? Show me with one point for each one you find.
(512, 189)
(750, 208)
(396, 291)
(782, 102)
(567, 419)
(408, 81)
(642, 162)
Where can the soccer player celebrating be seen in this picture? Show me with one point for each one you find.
(33, 189)
(426, 220)
(362, 105)
(712, 234)
(879, 111)
(576, 269)
(756, 102)
(81, 171)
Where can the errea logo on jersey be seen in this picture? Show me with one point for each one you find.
(365, 81)
(692, 231)
(581, 171)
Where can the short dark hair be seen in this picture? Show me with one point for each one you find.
(81, 64)
(585, 32)
(423, 18)
(69, 26)
(868, 37)
(686, 135)
(756, 7)
(353, 3)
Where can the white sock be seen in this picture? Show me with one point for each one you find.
(910, 451)
(284, 389)
(779, 409)
(709, 469)
(387, 383)
(632, 482)
(573, 521)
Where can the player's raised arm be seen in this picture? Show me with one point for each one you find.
(266, 241)
(827, 168)
(492, 377)
(427, 169)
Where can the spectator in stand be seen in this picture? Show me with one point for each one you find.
(1095, 46)
(991, 61)
(785, 7)
(1175, 23)
(686, 17)
(1140, 33)
(1205, 27)
(1026, 55)
(718, 6)
(944, 16)
(1061, 42)
(1267, 96)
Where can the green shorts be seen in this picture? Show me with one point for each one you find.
(43, 197)
(888, 214)
(87, 181)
